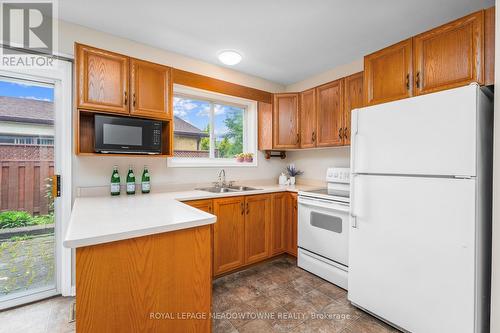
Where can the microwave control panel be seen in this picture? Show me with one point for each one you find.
(157, 133)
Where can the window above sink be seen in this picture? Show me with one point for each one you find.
(210, 128)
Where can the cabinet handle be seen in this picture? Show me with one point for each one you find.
(417, 81)
(345, 133)
(242, 205)
(133, 100)
(298, 138)
(126, 99)
(340, 133)
(408, 81)
(314, 137)
(248, 209)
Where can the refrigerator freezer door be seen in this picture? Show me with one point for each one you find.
(432, 134)
(411, 254)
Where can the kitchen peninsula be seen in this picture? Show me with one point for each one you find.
(143, 263)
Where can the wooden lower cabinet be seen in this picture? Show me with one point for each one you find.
(120, 285)
(292, 224)
(229, 234)
(250, 228)
(204, 205)
(257, 223)
(278, 223)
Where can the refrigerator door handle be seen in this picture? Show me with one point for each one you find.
(354, 133)
(354, 218)
(354, 221)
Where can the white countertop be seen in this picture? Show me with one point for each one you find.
(103, 219)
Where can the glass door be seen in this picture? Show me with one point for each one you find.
(28, 255)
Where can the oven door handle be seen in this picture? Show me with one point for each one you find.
(323, 204)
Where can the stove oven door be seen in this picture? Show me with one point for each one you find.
(324, 228)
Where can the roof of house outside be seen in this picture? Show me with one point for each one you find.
(26, 110)
(182, 127)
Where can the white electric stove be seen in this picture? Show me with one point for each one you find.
(323, 228)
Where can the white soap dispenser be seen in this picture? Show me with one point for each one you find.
(282, 179)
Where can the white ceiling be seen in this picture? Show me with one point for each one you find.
(284, 41)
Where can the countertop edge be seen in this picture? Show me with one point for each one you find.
(96, 240)
(179, 197)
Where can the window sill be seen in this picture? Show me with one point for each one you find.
(179, 162)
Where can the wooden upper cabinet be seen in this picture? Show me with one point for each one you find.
(388, 73)
(265, 126)
(229, 234)
(489, 46)
(150, 90)
(353, 98)
(286, 121)
(450, 55)
(308, 119)
(102, 80)
(329, 114)
(257, 222)
(279, 223)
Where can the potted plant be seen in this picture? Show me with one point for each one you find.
(248, 157)
(293, 172)
(240, 157)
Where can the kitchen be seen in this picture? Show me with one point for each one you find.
(213, 224)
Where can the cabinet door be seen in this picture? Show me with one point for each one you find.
(353, 99)
(286, 121)
(257, 222)
(450, 55)
(292, 223)
(388, 74)
(329, 119)
(279, 223)
(229, 234)
(151, 89)
(204, 205)
(308, 119)
(265, 126)
(102, 80)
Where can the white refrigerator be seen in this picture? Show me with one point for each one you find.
(420, 235)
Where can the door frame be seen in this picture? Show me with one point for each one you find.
(61, 77)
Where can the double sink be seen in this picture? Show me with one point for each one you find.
(226, 189)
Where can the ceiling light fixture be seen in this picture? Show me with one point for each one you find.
(229, 57)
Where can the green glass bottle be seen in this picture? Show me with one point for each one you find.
(130, 181)
(145, 182)
(115, 181)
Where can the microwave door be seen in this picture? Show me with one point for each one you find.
(127, 135)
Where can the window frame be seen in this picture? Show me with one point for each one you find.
(249, 129)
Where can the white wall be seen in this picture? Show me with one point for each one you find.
(96, 171)
(325, 77)
(70, 33)
(495, 277)
(314, 162)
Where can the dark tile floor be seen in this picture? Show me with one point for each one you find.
(275, 296)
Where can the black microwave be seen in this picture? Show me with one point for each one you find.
(127, 135)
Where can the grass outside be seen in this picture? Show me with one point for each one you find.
(15, 219)
(27, 261)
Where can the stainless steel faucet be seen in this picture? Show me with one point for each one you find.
(222, 178)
